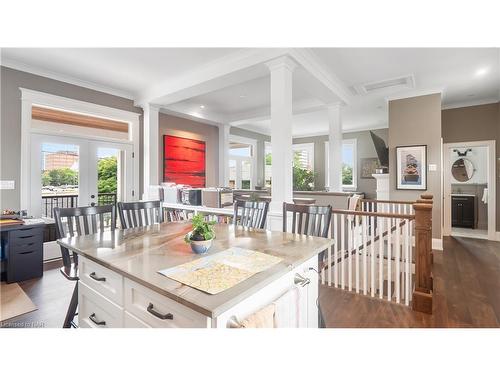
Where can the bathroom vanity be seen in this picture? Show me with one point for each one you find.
(463, 210)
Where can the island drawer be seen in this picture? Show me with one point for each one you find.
(95, 311)
(159, 311)
(131, 321)
(102, 280)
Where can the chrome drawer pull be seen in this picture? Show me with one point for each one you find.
(157, 314)
(93, 276)
(95, 321)
(301, 280)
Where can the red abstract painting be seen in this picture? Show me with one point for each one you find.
(183, 161)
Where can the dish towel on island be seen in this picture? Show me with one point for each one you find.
(485, 196)
(264, 318)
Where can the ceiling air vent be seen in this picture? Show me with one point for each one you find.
(385, 86)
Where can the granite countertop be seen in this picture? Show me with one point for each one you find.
(141, 252)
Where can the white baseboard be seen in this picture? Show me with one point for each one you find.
(498, 236)
(437, 244)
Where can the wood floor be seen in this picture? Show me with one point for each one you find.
(51, 295)
(466, 293)
(466, 283)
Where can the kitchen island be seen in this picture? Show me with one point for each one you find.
(120, 285)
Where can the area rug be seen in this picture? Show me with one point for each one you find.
(13, 301)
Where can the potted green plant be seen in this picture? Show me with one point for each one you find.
(202, 235)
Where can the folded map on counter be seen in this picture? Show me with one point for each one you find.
(215, 273)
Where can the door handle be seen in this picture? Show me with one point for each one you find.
(92, 204)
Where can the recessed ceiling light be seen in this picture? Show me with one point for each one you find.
(243, 96)
(202, 106)
(471, 95)
(481, 72)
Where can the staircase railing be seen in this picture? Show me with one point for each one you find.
(383, 251)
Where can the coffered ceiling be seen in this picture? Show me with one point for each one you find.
(232, 85)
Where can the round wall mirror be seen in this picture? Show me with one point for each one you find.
(462, 170)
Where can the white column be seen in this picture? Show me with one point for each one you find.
(281, 138)
(224, 154)
(335, 151)
(151, 147)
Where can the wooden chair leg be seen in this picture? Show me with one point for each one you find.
(70, 314)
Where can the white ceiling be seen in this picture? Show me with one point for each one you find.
(127, 70)
(134, 70)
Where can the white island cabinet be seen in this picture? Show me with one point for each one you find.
(120, 286)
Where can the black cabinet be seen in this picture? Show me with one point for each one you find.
(463, 211)
(22, 252)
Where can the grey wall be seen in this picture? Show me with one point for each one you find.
(365, 149)
(475, 123)
(181, 127)
(10, 129)
(417, 121)
(260, 152)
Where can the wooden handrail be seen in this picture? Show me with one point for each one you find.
(374, 214)
(385, 201)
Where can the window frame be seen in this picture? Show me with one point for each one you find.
(348, 141)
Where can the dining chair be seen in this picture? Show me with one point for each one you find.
(79, 221)
(308, 219)
(250, 214)
(138, 214)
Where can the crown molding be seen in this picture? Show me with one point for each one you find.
(189, 117)
(471, 103)
(17, 65)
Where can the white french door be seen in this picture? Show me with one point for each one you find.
(78, 172)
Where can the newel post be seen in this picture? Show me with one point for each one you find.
(422, 294)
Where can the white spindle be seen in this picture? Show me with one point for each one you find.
(356, 249)
(350, 237)
(397, 260)
(381, 257)
(389, 260)
(343, 248)
(335, 251)
(407, 241)
(372, 256)
(365, 254)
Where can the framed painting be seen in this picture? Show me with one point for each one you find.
(184, 161)
(368, 167)
(411, 166)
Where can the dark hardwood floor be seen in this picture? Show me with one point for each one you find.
(51, 294)
(466, 293)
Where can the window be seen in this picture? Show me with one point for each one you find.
(267, 164)
(241, 162)
(303, 166)
(349, 163)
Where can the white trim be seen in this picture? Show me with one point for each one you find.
(252, 159)
(17, 65)
(498, 236)
(30, 97)
(353, 141)
(437, 244)
(471, 103)
(491, 144)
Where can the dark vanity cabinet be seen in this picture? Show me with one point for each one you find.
(463, 211)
